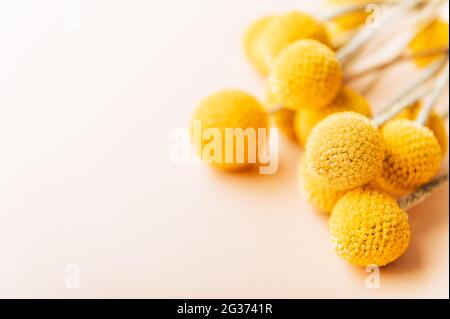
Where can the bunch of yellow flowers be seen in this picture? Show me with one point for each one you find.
(353, 168)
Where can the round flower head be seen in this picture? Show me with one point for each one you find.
(231, 109)
(347, 100)
(434, 36)
(434, 123)
(251, 38)
(320, 196)
(413, 157)
(306, 74)
(345, 150)
(284, 30)
(367, 227)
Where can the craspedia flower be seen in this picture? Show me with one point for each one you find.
(367, 227)
(306, 74)
(345, 150)
(284, 30)
(251, 39)
(433, 36)
(347, 100)
(320, 196)
(230, 109)
(413, 157)
(434, 123)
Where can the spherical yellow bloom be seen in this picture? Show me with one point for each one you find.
(320, 196)
(250, 41)
(413, 157)
(347, 100)
(306, 74)
(367, 227)
(434, 123)
(345, 150)
(231, 109)
(434, 36)
(284, 30)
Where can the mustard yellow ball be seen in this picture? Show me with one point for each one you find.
(320, 196)
(367, 227)
(251, 39)
(434, 123)
(284, 30)
(306, 74)
(413, 157)
(434, 36)
(229, 109)
(347, 100)
(345, 150)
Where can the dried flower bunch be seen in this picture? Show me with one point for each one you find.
(355, 164)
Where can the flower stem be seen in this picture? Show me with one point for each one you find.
(421, 194)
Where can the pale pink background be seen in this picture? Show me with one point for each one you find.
(86, 178)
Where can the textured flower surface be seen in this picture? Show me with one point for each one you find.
(345, 150)
(320, 196)
(306, 74)
(228, 110)
(347, 100)
(434, 123)
(284, 30)
(413, 157)
(367, 227)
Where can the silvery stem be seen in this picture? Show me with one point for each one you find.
(430, 102)
(401, 105)
(426, 75)
(421, 194)
(368, 32)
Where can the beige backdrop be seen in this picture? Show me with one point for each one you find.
(90, 92)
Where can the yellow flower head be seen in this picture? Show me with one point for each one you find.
(284, 30)
(229, 109)
(345, 150)
(251, 38)
(413, 157)
(346, 100)
(306, 74)
(367, 227)
(320, 196)
(434, 36)
(434, 123)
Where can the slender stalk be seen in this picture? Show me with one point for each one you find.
(401, 105)
(425, 75)
(421, 194)
(368, 32)
(404, 57)
(430, 102)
